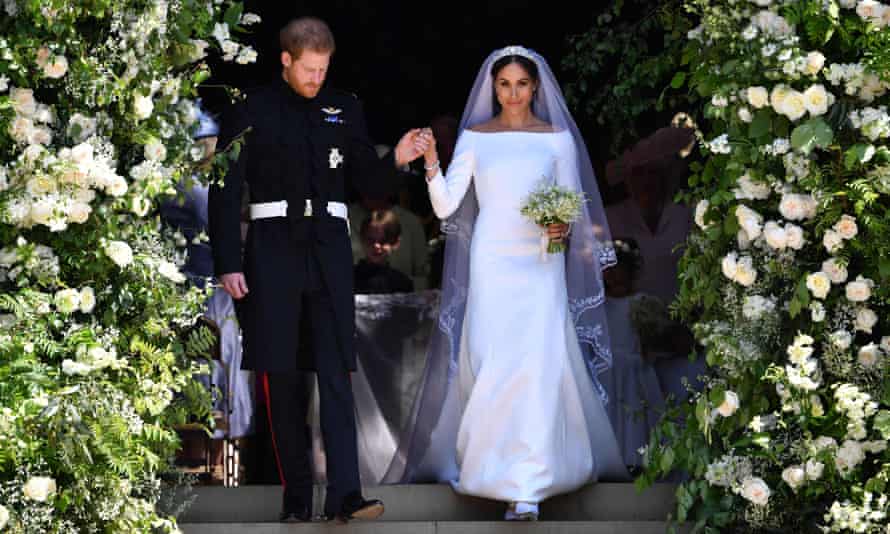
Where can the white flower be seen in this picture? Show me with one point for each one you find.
(815, 62)
(859, 290)
(155, 150)
(142, 106)
(116, 186)
(730, 404)
(755, 490)
(119, 252)
(71, 368)
(200, 49)
(796, 207)
(719, 145)
(870, 10)
(849, 455)
(777, 97)
(79, 212)
(817, 311)
(730, 265)
(794, 235)
(700, 210)
(823, 443)
(865, 320)
(819, 284)
(832, 241)
(841, 339)
(793, 105)
(57, 68)
(835, 270)
(87, 300)
(745, 115)
(794, 476)
(246, 55)
(745, 275)
(39, 488)
(748, 189)
(816, 100)
(814, 469)
(846, 227)
(170, 271)
(816, 408)
(743, 241)
(67, 300)
(140, 205)
(869, 355)
(757, 96)
(4, 86)
(221, 32)
(775, 235)
(4, 516)
(885, 344)
(23, 101)
(750, 221)
(250, 18)
(755, 306)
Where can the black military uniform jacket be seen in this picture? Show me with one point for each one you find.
(296, 149)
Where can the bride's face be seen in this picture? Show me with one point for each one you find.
(515, 88)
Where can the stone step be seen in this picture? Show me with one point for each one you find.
(603, 503)
(434, 527)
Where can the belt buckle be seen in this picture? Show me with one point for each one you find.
(307, 209)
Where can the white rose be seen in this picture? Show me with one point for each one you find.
(21, 128)
(67, 300)
(793, 105)
(869, 355)
(835, 270)
(795, 207)
(23, 101)
(142, 106)
(750, 221)
(745, 274)
(751, 189)
(743, 240)
(849, 455)
(730, 265)
(794, 476)
(42, 56)
(814, 469)
(119, 252)
(39, 488)
(745, 115)
(841, 339)
(816, 100)
(846, 227)
(758, 96)
(859, 290)
(170, 271)
(817, 312)
(794, 236)
(775, 235)
(79, 213)
(815, 62)
(700, 210)
(71, 368)
(87, 300)
(869, 9)
(155, 151)
(116, 186)
(832, 241)
(824, 442)
(730, 404)
(57, 68)
(816, 408)
(755, 490)
(777, 97)
(865, 320)
(4, 517)
(819, 284)
(885, 344)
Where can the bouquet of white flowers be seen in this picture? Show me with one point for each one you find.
(552, 204)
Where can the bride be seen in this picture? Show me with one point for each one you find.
(528, 411)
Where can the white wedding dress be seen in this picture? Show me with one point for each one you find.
(532, 425)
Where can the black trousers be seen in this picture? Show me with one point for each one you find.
(287, 403)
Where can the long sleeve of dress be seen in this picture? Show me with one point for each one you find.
(446, 192)
(566, 166)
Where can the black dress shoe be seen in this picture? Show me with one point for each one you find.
(294, 511)
(357, 507)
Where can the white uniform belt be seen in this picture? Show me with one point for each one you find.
(265, 210)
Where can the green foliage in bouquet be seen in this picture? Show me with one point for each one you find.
(552, 204)
(97, 116)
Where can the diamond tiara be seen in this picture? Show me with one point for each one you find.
(514, 50)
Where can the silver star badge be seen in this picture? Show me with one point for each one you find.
(335, 158)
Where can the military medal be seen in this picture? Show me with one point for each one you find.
(332, 115)
(335, 158)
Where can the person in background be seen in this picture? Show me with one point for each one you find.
(381, 237)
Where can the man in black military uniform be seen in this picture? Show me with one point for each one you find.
(302, 143)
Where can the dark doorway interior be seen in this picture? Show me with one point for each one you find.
(409, 61)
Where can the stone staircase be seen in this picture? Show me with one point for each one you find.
(605, 508)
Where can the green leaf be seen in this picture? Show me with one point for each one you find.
(882, 423)
(731, 225)
(667, 460)
(884, 267)
(233, 14)
(812, 134)
(761, 125)
(858, 153)
(678, 80)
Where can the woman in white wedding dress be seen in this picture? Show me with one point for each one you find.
(532, 422)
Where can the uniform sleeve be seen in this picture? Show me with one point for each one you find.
(446, 192)
(224, 201)
(369, 174)
(566, 166)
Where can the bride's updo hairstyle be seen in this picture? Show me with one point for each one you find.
(527, 64)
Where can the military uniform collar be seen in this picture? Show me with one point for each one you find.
(293, 97)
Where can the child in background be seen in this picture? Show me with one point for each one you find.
(380, 234)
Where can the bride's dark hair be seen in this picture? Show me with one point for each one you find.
(527, 64)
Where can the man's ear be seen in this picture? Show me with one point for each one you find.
(286, 59)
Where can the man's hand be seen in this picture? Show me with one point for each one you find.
(234, 284)
(411, 146)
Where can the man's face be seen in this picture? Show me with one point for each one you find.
(307, 73)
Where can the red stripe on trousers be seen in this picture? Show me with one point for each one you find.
(272, 429)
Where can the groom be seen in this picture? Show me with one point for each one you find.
(302, 143)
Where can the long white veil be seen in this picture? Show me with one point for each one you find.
(426, 447)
